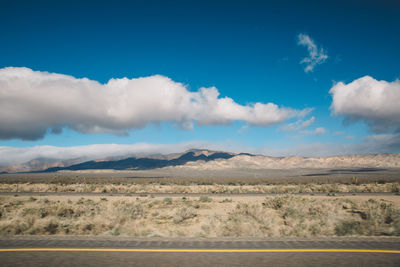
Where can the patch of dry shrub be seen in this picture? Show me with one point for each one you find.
(286, 215)
(183, 214)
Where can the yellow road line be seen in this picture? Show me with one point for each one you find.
(198, 250)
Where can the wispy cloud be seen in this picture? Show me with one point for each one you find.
(298, 125)
(316, 131)
(316, 55)
(382, 143)
(320, 130)
(14, 155)
(33, 102)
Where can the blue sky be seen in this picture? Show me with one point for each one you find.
(248, 50)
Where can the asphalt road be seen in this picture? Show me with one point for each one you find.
(121, 251)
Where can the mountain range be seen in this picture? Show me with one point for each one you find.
(198, 159)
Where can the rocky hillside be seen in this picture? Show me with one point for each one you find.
(196, 159)
(265, 162)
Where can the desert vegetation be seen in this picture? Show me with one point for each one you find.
(130, 206)
(277, 216)
(211, 177)
(377, 187)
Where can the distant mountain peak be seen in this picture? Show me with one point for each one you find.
(148, 162)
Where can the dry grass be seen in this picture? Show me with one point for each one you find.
(246, 177)
(285, 215)
(203, 189)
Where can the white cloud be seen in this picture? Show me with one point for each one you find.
(320, 130)
(32, 102)
(375, 102)
(298, 125)
(316, 55)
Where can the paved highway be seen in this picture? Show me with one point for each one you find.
(124, 251)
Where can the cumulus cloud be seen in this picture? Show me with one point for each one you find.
(298, 125)
(316, 55)
(33, 102)
(377, 103)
